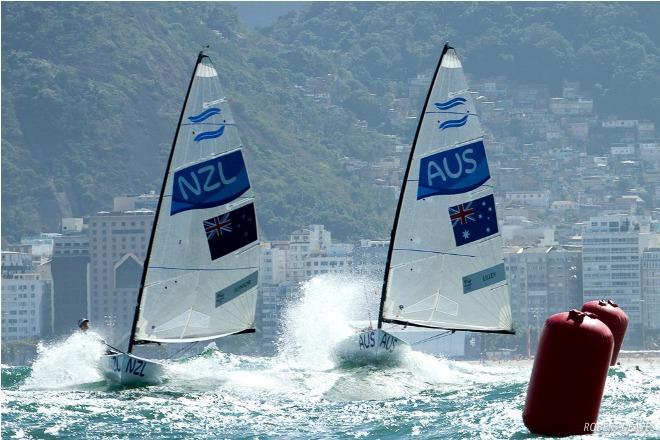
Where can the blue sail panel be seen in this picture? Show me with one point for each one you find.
(454, 171)
(210, 183)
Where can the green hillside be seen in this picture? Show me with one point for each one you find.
(90, 98)
(91, 93)
(611, 48)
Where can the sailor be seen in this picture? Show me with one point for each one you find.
(83, 324)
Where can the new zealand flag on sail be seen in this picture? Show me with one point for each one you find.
(231, 231)
(473, 220)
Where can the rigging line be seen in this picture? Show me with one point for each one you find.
(481, 189)
(113, 348)
(454, 113)
(477, 191)
(434, 337)
(184, 348)
(366, 302)
(239, 198)
(434, 252)
(209, 123)
(202, 269)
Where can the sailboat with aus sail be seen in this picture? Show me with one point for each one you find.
(200, 274)
(445, 267)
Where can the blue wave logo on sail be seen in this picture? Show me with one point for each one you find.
(210, 134)
(203, 116)
(454, 171)
(450, 104)
(453, 123)
(213, 182)
(444, 106)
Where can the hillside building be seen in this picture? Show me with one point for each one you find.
(69, 268)
(25, 306)
(650, 267)
(117, 248)
(611, 267)
(543, 280)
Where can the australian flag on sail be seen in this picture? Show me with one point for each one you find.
(473, 220)
(229, 232)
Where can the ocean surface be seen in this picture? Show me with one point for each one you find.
(301, 392)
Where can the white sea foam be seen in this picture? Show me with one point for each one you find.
(300, 391)
(322, 317)
(68, 363)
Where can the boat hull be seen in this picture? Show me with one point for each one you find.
(126, 369)
(370, 346)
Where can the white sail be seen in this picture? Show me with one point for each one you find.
(201, 275)
(446, 268)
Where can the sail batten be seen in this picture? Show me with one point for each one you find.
(201, 274)
(445, 266)
(453, 327)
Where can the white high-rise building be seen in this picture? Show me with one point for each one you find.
(369, 258)
(335, 258)
(611, 267)
(69, 269)
(135, 202)
(273, 262)
(42, 244)
(272, 278)
(16, 262)
(311, 252)
(117, 247)
(25, 306)
(650, 264)
(543, 280)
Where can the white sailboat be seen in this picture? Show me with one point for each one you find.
(445, 267)
(201, 268)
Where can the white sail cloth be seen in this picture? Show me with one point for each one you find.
(447, 269)
(201, 275)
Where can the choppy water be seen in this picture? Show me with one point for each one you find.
(300, 393)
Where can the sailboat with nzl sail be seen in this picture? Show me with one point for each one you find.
(200, 274)
(445, 267)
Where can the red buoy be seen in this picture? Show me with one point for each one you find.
(614, 317)
(568, 377)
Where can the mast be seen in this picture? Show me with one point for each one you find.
(403, 189)
(145, 265)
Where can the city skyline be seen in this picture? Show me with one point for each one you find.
(88, 266)
(579, 157)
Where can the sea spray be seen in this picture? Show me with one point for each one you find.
(322, 317)
(213, 369)
(67, 363)
(224, 395)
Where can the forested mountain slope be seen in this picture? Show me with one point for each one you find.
(91, 93)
